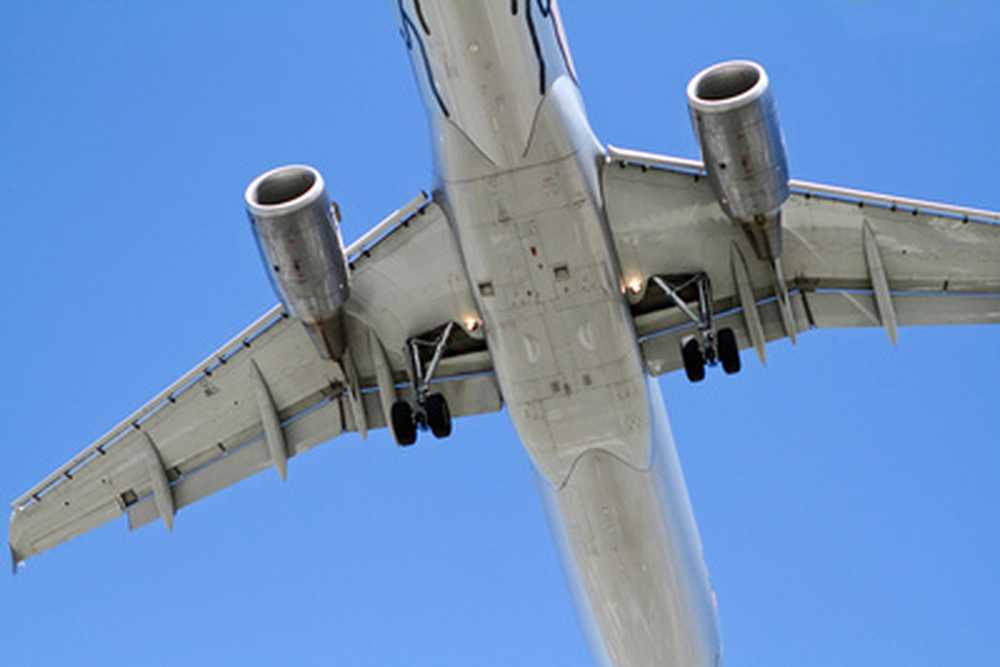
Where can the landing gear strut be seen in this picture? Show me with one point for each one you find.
(709, 347)
(431, 412)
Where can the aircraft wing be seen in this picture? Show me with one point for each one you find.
(267, 395)
(850, 259)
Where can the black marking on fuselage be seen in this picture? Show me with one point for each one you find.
(420, 15)
(537, 45)
(545, 9)
(410, 35)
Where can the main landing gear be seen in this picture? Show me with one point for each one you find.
(431, 412)
(709, 347)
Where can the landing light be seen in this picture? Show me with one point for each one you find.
(634, 285)
(472, 324)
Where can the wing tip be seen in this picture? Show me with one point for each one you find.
(16, 560)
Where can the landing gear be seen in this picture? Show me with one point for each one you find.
(403, 424)
(729, 351)
(694, 360)
(438, 415)
(709, 347)
(431, 411)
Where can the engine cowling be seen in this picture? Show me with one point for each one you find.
(736, 122)
(298, 235)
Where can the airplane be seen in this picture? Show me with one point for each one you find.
(536, 227)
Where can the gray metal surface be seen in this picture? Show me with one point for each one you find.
(299, 240)
(736, 122)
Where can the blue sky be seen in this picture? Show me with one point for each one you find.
(847, 494)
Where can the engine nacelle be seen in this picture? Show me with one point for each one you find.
(736, 122)
(299, 239)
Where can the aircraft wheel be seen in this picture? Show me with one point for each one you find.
(438, 415)
(694, 360)
(403, 424)
(729, 351)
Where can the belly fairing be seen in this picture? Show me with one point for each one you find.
(546, 281)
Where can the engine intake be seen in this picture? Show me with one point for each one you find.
(299, 239)
(736, 122)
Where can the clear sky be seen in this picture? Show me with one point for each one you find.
(847, 494)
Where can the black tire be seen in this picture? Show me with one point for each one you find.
(694, 360)
(438, 415)
(729, 351)
(403, 424)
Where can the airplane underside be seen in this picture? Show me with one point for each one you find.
(551, 275)
(593, 423)
(527, 209)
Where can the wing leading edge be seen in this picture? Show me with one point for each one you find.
(267, 396)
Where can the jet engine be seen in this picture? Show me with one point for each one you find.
(299, 239)
(736, 122)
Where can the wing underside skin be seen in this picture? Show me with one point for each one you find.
(267, 395)
(851, 258)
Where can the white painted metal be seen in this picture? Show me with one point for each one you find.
(205, 423)
(781, 291)
(629, 537)
(211, 437)
(880, 284)
(274, 436)
(940, 269)
(748, 302)
(518, 167)
(655, 159)
(435, 290)
(313, 427)
(271, 318)
(668, 222)
(107, 440)
(383, 379)
(386, 224)
(163, 497)
(350, 374)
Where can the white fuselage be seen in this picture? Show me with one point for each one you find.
(518, 171)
